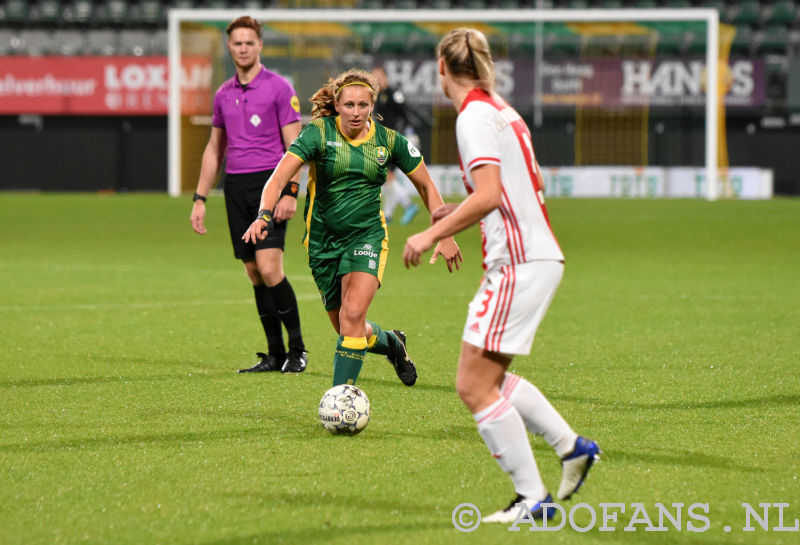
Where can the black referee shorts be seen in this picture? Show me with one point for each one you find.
(242, 199)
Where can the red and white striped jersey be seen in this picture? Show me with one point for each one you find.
(489, 131)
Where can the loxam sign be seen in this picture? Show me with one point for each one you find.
(100, 85)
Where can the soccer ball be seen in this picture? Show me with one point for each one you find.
(344, 409)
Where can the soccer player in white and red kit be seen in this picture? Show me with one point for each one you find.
(523, 267)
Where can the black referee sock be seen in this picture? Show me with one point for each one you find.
(286, 305)
(269, 321)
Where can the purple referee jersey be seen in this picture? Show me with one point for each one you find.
(252, 117)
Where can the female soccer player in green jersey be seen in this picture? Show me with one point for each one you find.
(349, 156)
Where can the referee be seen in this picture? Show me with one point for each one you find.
(256, 116)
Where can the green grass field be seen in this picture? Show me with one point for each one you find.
(674, 341)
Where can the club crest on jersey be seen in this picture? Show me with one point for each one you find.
(382, 155)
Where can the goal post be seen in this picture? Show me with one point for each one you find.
(357, 43)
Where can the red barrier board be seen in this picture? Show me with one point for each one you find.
(100, 85)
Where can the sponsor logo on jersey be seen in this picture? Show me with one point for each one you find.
(332, 143)
(475, 327)
(412, 151)
(368, 253)
(295, 102)
(372, 264)
(255, 120)
(381, 154)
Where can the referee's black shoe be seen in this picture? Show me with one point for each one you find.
(296, 362)
(268, 363)
(403, 366)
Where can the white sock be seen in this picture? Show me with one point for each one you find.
(539, 415)
(504, 433)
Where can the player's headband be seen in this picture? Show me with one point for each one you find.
(354, 83)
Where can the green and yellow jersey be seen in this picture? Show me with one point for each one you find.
(343, 203)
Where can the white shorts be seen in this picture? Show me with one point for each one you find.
(510, 304)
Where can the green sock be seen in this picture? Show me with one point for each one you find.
(348, 359)
(380, 342)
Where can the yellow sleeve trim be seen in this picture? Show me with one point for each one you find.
(291, 153)
(415, 168)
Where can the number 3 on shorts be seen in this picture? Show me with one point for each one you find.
(485, 303)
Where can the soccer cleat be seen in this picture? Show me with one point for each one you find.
(576, 465)
(403, 366)
(296, 362)
(512, 512)
(408, 215)
(268, 363)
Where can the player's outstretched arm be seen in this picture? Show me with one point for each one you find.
(288, 167)
(486, 197)
(447, 246)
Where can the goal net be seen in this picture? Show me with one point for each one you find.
(620, 95)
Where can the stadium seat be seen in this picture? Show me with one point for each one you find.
(69, 41)
(36, 42)
(721, 6)
(672, 39)
(520, 4)
(9, 41)
(564, 44)
(134, 42)
(441, 4)
(773, 39)
(183, 4)
(782, 12)
(697, 41)
(746, 12)
(79, 12)
(14, 11)
(608, 4)
(113, 12)
(149, 12)
(743, 41)
(262, 4)
(46, 12)
(159, 42)
(102, 41)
